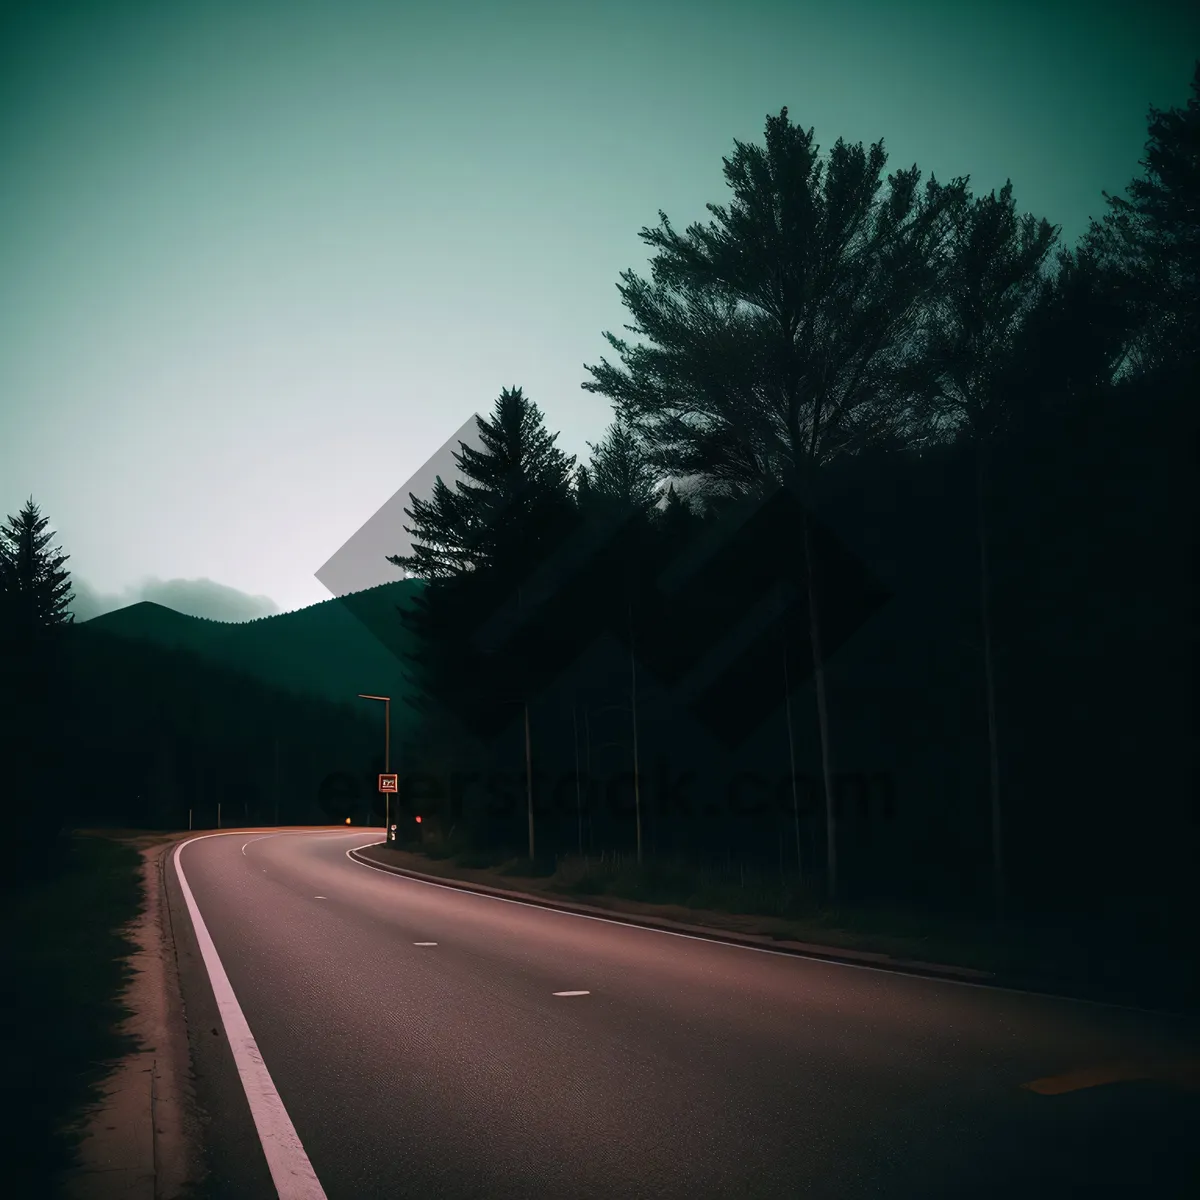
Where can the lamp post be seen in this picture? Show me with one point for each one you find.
(387, 755)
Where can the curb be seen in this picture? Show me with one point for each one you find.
(832, 954)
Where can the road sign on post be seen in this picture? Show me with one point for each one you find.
(389, 783)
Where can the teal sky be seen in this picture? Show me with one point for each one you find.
(261, 260)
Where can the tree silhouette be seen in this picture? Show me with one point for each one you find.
(620, 472)
(35, 587)
(474, 545)
(776, 334)
(622, 489)
(1153, 237)
(994, 280)
(35, 597)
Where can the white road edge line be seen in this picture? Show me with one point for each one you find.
(291, 1172)
(794, 954)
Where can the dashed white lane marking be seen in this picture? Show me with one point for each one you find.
(424, 943)
(291, 1171)
(572, 993)
(318, 897)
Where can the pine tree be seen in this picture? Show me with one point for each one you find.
(993, 282)
(514, 492)
(583, 487)
(1152, 238)
(35, 597)
(677, 521)
(776, 334)
(620, 475)
(36, 589)
(622, 494)
(473, 545)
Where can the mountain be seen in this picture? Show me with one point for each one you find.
(325, 650)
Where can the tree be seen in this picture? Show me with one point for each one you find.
(520, 485)
(994, 280)
(1153, 237)
(621, 487)
(621, 474)
(1071, 344)
(475, 543)
(515, 492)
(35, 598)
(774, 336)
(677, 521)
(583, 487)
(36, 589)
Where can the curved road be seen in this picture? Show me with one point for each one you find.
(376, 1065)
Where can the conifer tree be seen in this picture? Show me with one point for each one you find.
(1151, 236)
(622, 491)
(475, 543)
(35, 599)
(36, 589)
(993, 284)
(774, 335)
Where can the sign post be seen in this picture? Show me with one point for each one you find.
(388, 784)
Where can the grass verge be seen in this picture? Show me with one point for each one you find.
(66, 951)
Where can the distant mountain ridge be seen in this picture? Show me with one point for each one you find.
(325, 650)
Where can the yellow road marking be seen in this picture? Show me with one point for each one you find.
(1185, 1074)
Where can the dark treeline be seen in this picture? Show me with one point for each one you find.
(911, 620)
(162, 734)
(104, 730)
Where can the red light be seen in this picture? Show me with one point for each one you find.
(418, 820)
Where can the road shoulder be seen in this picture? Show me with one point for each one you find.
(664, 917)
(143, 1140)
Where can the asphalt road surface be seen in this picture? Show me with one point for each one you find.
(370, 1036)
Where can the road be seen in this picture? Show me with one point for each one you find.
(419, 1044)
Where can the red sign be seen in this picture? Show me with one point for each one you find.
(389, 783)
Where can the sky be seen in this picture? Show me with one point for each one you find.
(262, 260)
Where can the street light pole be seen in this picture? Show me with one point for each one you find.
(387, 756)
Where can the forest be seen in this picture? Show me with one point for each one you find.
(880, 580)
(880, 583)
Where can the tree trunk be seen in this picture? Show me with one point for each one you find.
(578, 778)
(637, 792)
(990, 687)
(814, 626)
(528, 762)
(587, 741)
(529, 780)
(787, 702)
